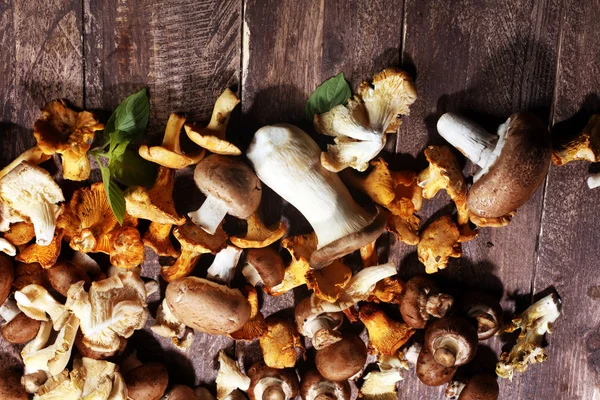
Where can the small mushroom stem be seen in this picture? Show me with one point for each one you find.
(7, 247)
(594, 181)
(210, 214)
(9, 310)
(173, 132)
(223, 266)
(224, 105)
(445, 353)
(315, 325)
(44, 223)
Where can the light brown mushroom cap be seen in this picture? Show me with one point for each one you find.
(85, 351)
(231, 181)
(147, 382)
(342, 360)
(480, 387)
(7, 276)
(10, 386)
(268, 383)
(267, 263)
(452, 341)
(316, 387)
(20, 330)
(517, 172)
(63, 274)
(430, 372)
(181, 392)
(414, 305)
(206, 306)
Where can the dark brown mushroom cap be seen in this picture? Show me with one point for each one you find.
(147, 382)
(20, 330)
(342, 360)
(430, 372)
(207, 306)
(414, 301)
(485, 309)
(7, 275)
(452, 341)
(322, 257)
(181, 392)
(517, 172)
(260, 373)
(64, 274)
(268, 263)
(480, 387)
(10, 386)
(231, 181)
(316, 387)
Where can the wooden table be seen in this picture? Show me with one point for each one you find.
(485, 58)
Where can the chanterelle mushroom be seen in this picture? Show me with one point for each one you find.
(31, 193)
(281, 343)
(315, 387)
(582, 146)
(113, 308)
(318, 325)
(533, 323)
(230, 186)
(287, 160)
(212, 137)
(272, 384)
(386, 335)
(513, 163)
(359, 128)
(439, 241)
(69, 133)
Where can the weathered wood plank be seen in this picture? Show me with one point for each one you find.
(291, 47)
(568, 249)
(41, 60)
(185, 52)
(485, 59)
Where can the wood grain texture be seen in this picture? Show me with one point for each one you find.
(186, 53)
(485, 59)
(568, 249)
(41, 60)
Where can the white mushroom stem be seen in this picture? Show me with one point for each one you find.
(272, 384)
(313, 326)
(251, 275)
(593, 181)
(223, 267)
(7, 247)
(325, 388)
(152, 287)
(287, 160)
(474, 142)
(9, 310)
(210, 214)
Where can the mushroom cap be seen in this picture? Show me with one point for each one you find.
(20, 330)
(207, 306)
(86, 351)
(315, 386)
(342, 360)
(414, 300)
(305, 313)
(147, 382)
(519, 169)
(480, 387)
(455, 334)
(430, 372)
(268, 264)
(63, 274)
(486, 309)
(10, 386)
(262, 377)
(181, 392)
(231, 181)
(349, 243)
(7, 275)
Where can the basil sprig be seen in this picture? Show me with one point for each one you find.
(333, 92)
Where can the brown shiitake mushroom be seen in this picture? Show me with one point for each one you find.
(452, 341)
(316, 387)
(343, 359)
(272, 384)
(479, 387)
(181, 392)
(421, 300)
(207, 306)
(63, 274)
(10, 386)
(317, 324)
(7, 275)
(147, 382)
(430, 372)
(264, 266)
(20, 330)
(486, 310)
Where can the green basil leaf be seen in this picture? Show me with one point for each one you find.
(129, 120)
(333, 92)
(133, 170)
(116, 198)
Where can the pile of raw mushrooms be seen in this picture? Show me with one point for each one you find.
(74, 316)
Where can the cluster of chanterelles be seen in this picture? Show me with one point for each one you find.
(62, 306)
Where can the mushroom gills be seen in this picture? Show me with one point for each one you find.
(271, 388)
(210, 214)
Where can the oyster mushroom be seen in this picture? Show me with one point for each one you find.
(147, 382)
(31, 193)
(212, 137)
(343, 359)
(69, 133)
(229, 377)
(486, 310)
(272, 384)
(316, 387)
(452, 341)
(38, 304)
(287, 160)
(430, 372)
(318, 325)
(33, 156)
(230, 187)
(263, 266)
(386, 336)
(7, 248)
(421, 300)
(513, 163)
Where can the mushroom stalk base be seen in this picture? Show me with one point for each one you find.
(594, 181)
(210, 214)
(9, 310)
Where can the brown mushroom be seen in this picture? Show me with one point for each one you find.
(147, 382)
(486, 310)
(430, 372)
(7, 276)
(88, 352)
(513, 163)
(268, 383)
(452, 341)
(342, 360)
(10, 386)
(479, 387)
(316, 387)
(181, 392)
(422, 300)
(20, 330)
(207, 306)
(264, 266)
(63, 274)
(230, 187)
(317, 324)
